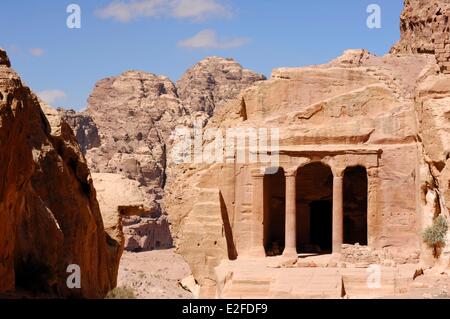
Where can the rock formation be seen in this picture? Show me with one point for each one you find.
(49, 214)
(127, 126)
(337, 114)
(212, 82)
(123, 198)
(382, 116)
(360, 164)
(425, 29)
(84, 128)
(134, 113)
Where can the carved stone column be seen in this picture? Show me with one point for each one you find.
(290, 249)
(257, 228)
(372, 200)
(338, 213)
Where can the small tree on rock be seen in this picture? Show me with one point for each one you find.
(434, 236)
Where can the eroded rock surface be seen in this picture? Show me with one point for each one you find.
(384, 115)
(355, 104)
(127, 127)
(49, 214)
(124, 202)
(84, 128)
(425, 29)
(212, 82)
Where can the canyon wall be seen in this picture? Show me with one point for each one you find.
(49, 214)
(425, 30)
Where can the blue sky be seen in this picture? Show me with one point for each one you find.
(168, 36)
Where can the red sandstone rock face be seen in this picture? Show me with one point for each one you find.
(49, 213)
(425, 28)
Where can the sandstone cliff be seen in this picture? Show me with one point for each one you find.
(127, 126)
(84, 128)
(212, 82)
(425, 29)
(388, 114)
(396, 103)
(49, 213)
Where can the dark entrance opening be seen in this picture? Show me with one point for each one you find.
(274, 213)
(321, 224)
(355, 205)
(314, 208)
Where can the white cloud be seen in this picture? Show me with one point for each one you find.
(208, 39)
(38, 52)
(52, 96)
(125, 11)
(199, 9)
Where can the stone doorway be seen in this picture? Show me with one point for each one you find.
(355, 205)
(321, 225)
(274, 213)
(314, 208)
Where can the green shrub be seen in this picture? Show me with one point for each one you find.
(121, 293)
(434, 236)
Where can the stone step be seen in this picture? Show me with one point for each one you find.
(256, 280)
(209, 194)
(208, 219)
(206, 207)
(356, 283)
(196, 227)
(247, 288)
(251, 281)
(204, 222)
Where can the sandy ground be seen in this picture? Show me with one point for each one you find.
(154, 274)
(430, 286)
